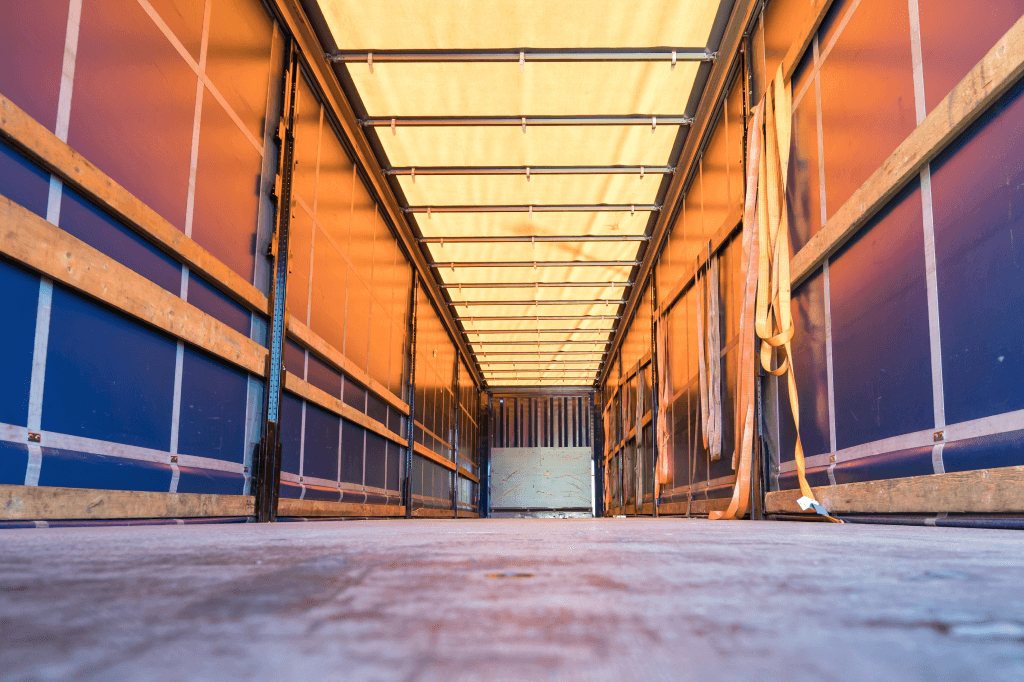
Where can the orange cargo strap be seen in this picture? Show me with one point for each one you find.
(709, 352)
(768, 163)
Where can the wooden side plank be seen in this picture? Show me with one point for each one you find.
(56, 156)
(29, 239)
(732, 223)
(981, 492)
(334, 357)
(436, 513)
(996, 73)
(805, 34)
(324, 399)
(698, 507)
(44, 503)
(423, 451)
(466, 473)
(290, 507)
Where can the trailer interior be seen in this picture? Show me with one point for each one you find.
(511, 340)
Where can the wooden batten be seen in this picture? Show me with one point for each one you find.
(435, 513)
(334, 357)
(694, 507)
(49, 250)
(466, 473)
(52, 153)
(311, 393)
(39, 503)
(732, 223)
(425, 452)
(996, 73)
(805, 36)
(984, 491)
(324, 508)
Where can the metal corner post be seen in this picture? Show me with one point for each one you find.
(655, 406)
(456, 416)
(411, 423)
(268, 462)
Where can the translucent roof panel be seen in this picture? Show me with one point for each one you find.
(541, 89)
(454, 155)
(448, 190)
(492, 24)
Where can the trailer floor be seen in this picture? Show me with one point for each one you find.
(514, 599)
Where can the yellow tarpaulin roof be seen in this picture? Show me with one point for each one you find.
(457, 88)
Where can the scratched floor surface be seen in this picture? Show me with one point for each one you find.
(512, 599)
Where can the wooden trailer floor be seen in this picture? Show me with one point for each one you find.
(605, 599)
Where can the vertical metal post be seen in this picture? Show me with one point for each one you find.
(654, 395)
(410, 430)
(457, 403)
(621, 433)
(268, 461)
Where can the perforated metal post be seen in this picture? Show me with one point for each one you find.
(410, 433)
(268, 461)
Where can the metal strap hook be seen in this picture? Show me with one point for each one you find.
(632, 210)
(527, 173)
(428, 213)
(641, 173)
(369, 61)
(393, 132)
(522, 61)
(654, 123)
(673, 67)
(531, 212)
(413, 173)
(524, 125)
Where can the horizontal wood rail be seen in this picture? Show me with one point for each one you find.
(465, 473)
(46, 149)
(425, 452)
(983, 491)
(333, 357)
(311, 393)
(997, 72)
(42, 503)
(433, 435)
(732, 223)
(325, 508)
(49, 250)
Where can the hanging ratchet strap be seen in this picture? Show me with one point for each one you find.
(765, 206)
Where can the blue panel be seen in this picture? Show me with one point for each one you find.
(290, 491)
(354, 396)
(213, 403)
(323, 377)
(210, 481)
(376, 460)
(912, 462)
(810, 370)
(69, 469)
(212, 302)
(987, 452)
(294, 358)
(106, 377)
(13, 463)
(94, 227)
(880, 350)
(22, 181)
(681, 440)
(320, 454)
(290, 433)
(396, 455)
(416, 475)
(18, 306)
(816, 477)
(316, 492)
(376, 408)
(978, 205)
(352, 453)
